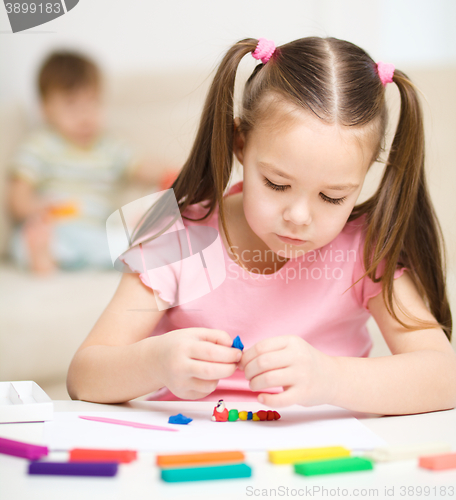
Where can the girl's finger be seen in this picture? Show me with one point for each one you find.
(273, 378)
(285, 398)
(262, 347)
(215, 336)
(207, 351)
(202, 387)
(211, 371)
(265, 362)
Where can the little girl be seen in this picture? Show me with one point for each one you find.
(303, 266)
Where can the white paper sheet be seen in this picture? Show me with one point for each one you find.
(293, 430)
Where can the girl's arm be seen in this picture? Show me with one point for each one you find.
(113, 363)
(119, 361)
(420, 376)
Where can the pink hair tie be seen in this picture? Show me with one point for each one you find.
(264, 50)
(385, 72)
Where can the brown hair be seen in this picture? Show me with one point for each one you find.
(338, 82)
(67, 71)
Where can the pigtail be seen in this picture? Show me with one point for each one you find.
(401, 222)
(207, 171)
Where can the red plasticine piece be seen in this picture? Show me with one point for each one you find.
(220, 413)
(276, 415)
(270, 415)
(221, 416)
(262, 415)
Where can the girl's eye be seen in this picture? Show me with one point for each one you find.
(276, 187)
(335, 201)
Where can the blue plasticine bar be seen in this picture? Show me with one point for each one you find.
(348, 464)
(74, 468)
(205, 473)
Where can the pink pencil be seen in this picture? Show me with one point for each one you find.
(126, 422)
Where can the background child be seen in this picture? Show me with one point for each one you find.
(305, 267)
(65, 176)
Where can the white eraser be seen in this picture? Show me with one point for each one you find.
(389, 453)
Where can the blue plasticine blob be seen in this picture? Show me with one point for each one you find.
(249, 415)
(179, 419)
(237, 343)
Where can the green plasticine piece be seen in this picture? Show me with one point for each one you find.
(233, 415)
(346, 464)
(206, 473)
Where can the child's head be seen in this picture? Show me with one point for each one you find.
(302, 176)
(316, 111)
(70, 93)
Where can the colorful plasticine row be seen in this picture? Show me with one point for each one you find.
(222, 414)
(234, 415)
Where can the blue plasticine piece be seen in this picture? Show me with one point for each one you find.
(237, 343)
(249, 415)
(205, 473)
(179, 419)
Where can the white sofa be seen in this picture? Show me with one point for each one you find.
(43, 320)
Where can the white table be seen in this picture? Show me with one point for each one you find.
(140, 479)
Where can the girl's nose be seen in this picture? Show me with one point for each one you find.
(298, 212)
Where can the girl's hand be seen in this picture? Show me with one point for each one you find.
(307, 375)
(192, 361)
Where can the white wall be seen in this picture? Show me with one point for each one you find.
(127, 34)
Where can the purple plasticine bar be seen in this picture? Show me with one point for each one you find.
(74, 468)
(21, 449)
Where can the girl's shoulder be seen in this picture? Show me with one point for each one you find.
(193, 213)
(199, 210)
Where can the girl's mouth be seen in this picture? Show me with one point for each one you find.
(291, 241)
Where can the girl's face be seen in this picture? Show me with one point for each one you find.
(301, 180)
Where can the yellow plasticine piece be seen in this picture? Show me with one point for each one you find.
(306, 454)
(64, 210)
(242, 415)
(255, 417)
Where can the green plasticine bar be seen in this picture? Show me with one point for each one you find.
(205, 473)
(348, 464)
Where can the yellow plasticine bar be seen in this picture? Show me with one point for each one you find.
(255, 417)
(306, 454)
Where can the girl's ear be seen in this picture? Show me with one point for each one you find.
(238, 141)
